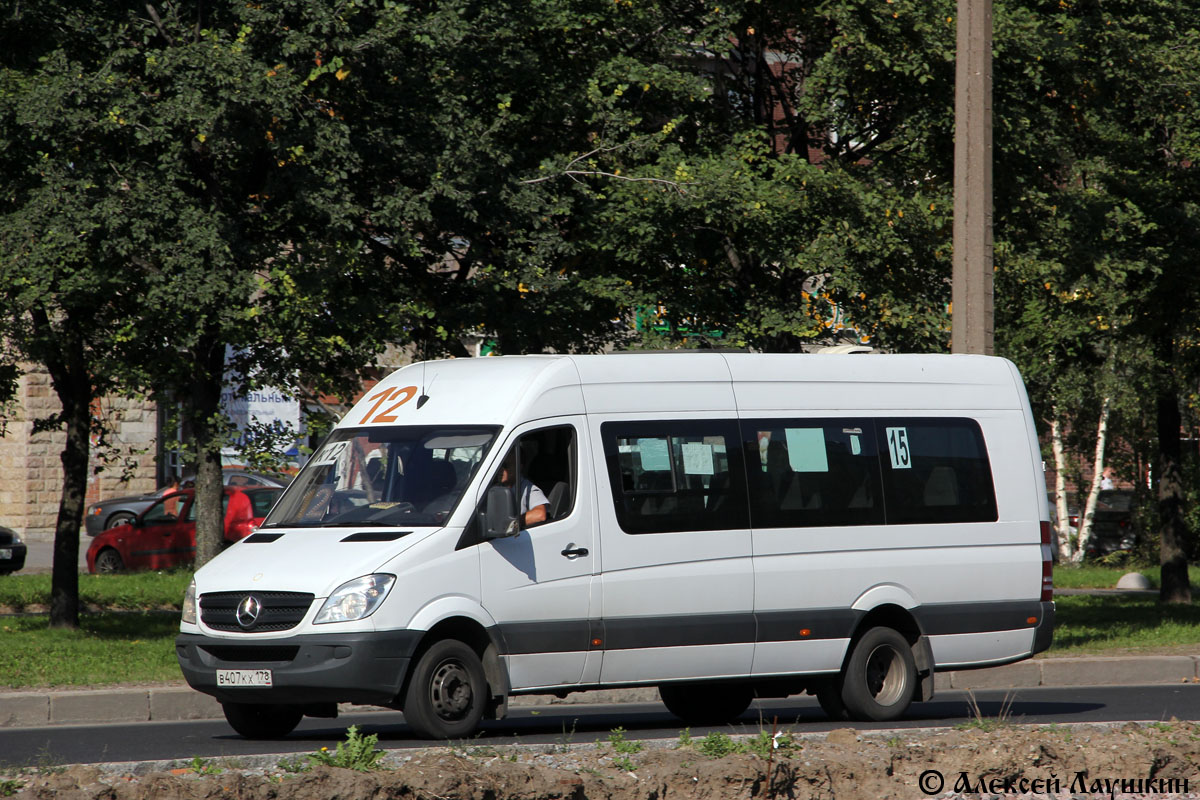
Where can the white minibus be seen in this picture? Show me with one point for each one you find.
(722, 526)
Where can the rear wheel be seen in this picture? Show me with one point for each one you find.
(881, 676)
(447, 692)
(829, 695)
(109, 560)
(706, 704)
(255, 721)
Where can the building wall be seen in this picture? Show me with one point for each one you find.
(30, 464)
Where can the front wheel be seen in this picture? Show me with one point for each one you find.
(881, 676)
(706, 704)
(262, 721)
(447, 692)
(109, 561)
(120, 518)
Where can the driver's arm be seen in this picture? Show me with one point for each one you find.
(535, 515)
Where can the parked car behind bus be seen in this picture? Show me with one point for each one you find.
(164, 535)
(116, 511)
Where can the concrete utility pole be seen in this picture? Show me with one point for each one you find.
(971, 319)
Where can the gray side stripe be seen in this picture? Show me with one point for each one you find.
(746, 628)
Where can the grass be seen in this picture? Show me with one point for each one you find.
(134, 591)
(109, 647)
(1108, 624)
(1096, 576)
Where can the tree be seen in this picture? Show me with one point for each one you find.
(67, 298)
(183, 159)
(1100, 125)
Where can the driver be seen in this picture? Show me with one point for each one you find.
(531, 500)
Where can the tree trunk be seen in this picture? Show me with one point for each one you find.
(1173, 531)
(1065, 548)
(1089, 508)
(73, 385)
(208, 426)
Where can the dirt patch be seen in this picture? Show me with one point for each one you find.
(1012, 761)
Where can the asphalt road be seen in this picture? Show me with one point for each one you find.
(559, 724)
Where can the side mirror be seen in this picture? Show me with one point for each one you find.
(501, 517)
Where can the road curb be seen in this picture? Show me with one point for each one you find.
(173, 703)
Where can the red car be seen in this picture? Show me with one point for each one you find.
(164, 535)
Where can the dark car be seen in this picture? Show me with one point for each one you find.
(12, 551)
(106, 514)
(1112, 523)
(164, 535)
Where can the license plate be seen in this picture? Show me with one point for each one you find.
(244, 677)
(6, 553)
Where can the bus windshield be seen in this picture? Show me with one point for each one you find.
(387, 476)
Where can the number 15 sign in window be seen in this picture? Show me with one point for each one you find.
(898, 451)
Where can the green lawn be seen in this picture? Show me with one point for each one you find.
(1091, 576)
(1123, 625)
(109, 647)
(130, 640)
(133, 591)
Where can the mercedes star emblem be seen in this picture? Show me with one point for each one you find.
(248, 611)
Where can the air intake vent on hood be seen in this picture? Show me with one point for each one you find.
(376, 536)
(262, 538)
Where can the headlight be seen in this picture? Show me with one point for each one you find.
(355, 599)
(189, 604)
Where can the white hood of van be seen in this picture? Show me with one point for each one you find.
(316, 560)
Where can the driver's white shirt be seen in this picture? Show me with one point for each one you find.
(531, 496)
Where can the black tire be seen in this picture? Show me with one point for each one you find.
(109, 561)
(255, 721)
(706, 704)
(447, 692)
(880, 679)
(120, 518)
(829, 695)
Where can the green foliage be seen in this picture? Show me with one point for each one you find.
(10, 786)
(765, 744)
(717, 744)
(624, 763)
(204, 766)
(622, 749)
(358, 752)
(1096, 218)
(294, 764)
(619, 744)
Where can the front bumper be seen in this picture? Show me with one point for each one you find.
(365, 668)
(16, 560)
(93, 524)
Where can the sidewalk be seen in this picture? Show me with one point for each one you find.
(178, 702)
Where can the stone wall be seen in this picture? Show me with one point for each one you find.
(30, 464)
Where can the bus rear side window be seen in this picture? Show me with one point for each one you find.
(935, 470)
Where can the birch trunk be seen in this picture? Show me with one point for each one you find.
(1089, 509)
(1062, 510)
